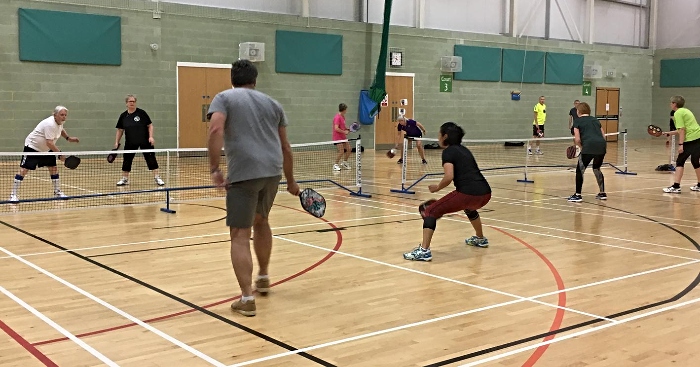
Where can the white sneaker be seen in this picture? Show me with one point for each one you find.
(14, 198)
(59, 194)
(695, 188)
(345, 165)
(336, 167)
(529, 152)
(158, 181)
(672, 190)
(123, 181)
(538, 152)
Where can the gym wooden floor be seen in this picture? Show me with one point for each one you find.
(563, 284)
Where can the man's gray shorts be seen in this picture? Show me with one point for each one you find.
(244, 199)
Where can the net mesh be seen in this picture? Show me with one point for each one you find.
(184, 172)
(501, 157)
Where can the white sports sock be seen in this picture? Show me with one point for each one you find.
(245, 299)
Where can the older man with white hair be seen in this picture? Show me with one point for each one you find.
(43, 139)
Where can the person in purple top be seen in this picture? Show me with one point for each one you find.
(412, 129)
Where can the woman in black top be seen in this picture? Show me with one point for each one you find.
(138, 128)
(471, 192)
(589, 135)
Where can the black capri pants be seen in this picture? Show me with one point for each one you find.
(690, 149)
(151, 161)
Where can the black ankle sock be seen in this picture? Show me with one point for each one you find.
(677, 185)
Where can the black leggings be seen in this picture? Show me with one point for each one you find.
(583, 161)
(151, 161)
(690, 149)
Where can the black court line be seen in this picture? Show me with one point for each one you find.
(174, 297)
(198, 223)
(192, 224)
(158, 248)
(226, 241)
(674, 298)
(347, 227)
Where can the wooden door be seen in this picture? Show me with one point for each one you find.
(218, 80)
(197, 87)
(607, 110)
(614, 102)
(399, 96)
(192, 103)
(601, 102)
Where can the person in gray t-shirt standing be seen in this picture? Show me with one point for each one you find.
(252, 129)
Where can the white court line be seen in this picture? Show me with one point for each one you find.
(579, 333)
(595, 211)
(116, 310)
(380, 332)
(198, 236)
(584, 241)
(565, 197)
(536, 233)
(625, 216)
(116, 245)
(591, 211)
(446, 317)
(444, 278)
(72, 187)
(588, 285)
(597, 235)
(60, 329)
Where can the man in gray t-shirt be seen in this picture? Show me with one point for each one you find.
(252, 129)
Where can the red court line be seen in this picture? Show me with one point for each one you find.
(559, 316)
(26, 345)
(338, 243)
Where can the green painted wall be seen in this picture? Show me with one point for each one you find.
(95, 94)
(661, 96)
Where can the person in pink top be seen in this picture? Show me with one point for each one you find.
(340, 132)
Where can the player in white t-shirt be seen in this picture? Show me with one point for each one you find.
(43, 139)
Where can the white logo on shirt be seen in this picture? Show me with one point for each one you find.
(137, 119)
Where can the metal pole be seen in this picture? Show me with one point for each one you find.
(358, 170)
(525, 180)
(547, 17)
(513, 19)
(591, 21)
(358, 164)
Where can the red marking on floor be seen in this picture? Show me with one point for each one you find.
(559, 316)
(26, 345)
(338, 243)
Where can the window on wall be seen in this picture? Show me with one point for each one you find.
(403, 12)
(292, 7)
(622, 24)
(466, 16)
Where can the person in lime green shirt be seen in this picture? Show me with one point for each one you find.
(688, 132)
(538, 125)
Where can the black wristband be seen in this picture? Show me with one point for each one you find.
(680, 143)
(67, 137)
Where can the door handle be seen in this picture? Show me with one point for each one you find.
(205, 108)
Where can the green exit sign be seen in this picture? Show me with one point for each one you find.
(446, 83)
(587, 88)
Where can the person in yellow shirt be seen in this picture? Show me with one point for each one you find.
(688, 132)
(538, 125)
